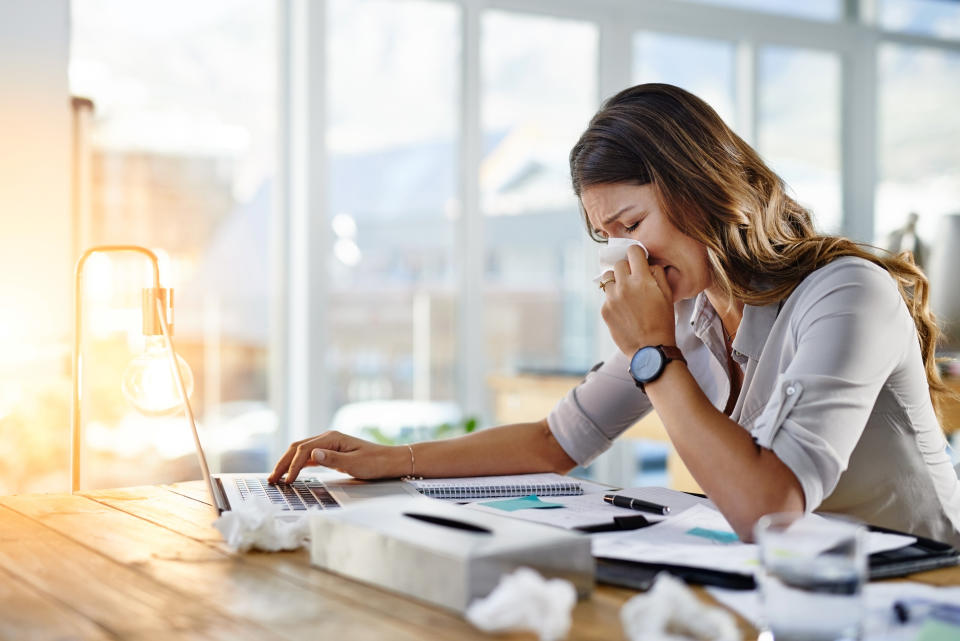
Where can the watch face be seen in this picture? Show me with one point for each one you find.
(646, 364)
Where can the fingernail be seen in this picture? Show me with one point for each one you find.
(317, 455)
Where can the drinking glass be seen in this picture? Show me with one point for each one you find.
(812, 576)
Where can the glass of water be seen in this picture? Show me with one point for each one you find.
(812, 577)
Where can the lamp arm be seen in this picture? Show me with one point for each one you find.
(76, 442)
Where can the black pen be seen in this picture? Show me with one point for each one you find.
(636, 504)
(906, 610)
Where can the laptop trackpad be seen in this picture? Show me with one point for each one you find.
(351, 490)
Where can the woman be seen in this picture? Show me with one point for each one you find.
(792, 371)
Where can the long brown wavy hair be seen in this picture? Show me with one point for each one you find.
(716, 189)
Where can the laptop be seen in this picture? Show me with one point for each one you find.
(308, 493)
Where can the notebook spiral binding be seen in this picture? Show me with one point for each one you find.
(492, 491)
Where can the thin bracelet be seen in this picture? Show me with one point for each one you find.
(413, 465)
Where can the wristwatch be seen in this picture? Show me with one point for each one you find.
(649, 362)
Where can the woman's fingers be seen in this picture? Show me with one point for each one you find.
(635, 264)
(300, 459)
(637, 260)
(638, 309)
(299, 454)
(283, 464)
(621, 271)
(332, 459)
(660, 276)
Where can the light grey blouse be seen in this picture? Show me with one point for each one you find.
(833, 384)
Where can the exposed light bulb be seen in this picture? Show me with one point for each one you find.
(149, 384)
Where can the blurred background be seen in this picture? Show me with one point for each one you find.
(364, 207)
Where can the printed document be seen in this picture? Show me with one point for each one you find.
(701, 537)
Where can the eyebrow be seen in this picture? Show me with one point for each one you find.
(618, 214)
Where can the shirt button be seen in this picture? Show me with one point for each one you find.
(791, 390)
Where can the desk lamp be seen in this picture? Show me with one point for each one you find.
(156, 382)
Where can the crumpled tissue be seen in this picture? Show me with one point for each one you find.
(524, 599)
(612, 253)
(254, 524)
(670, 611)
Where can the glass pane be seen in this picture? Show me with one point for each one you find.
(813, 9)
(538, 92)
(939, 18)
(798, 127)
(182, 141)
(702, 66)
(393, 100)
(919, 126)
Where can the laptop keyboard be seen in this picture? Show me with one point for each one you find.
(298, 496)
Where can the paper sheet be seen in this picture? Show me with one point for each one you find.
(670, 541)
(678, 501)
(694, 534)
(701, 537)
(585, 509)
(880, 624)
(590, 508)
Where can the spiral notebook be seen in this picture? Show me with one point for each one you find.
(483, 487)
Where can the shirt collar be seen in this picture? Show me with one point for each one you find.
(704, 323)
(702, 312)
(754, 328)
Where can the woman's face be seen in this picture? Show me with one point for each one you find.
(624, 210)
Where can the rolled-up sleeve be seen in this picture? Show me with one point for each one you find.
(599, 409)
(850, 330)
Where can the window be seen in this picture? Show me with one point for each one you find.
(812, 9)
(538, 91)
(702, 66)
(392, 207)
(919, 169)
(939, 18)
(182, 161)
(798, 127)
(183, 153)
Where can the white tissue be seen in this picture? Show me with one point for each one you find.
(254, 524)
(524, 599)
(670, 611)
(613, 252)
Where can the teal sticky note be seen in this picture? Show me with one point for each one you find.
(527, 502)
(719, 536)
(938, 630)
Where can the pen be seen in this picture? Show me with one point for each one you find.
(906, 610)
(636, 504)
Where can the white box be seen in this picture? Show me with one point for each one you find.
(440, 552)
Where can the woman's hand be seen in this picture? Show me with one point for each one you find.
(638, 308)
(354, 456)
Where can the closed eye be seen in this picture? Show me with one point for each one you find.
(632, 227)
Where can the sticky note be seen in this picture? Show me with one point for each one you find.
(938, 630)
(527, 502)
(720, 536)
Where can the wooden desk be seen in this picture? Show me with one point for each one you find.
(143, 563)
